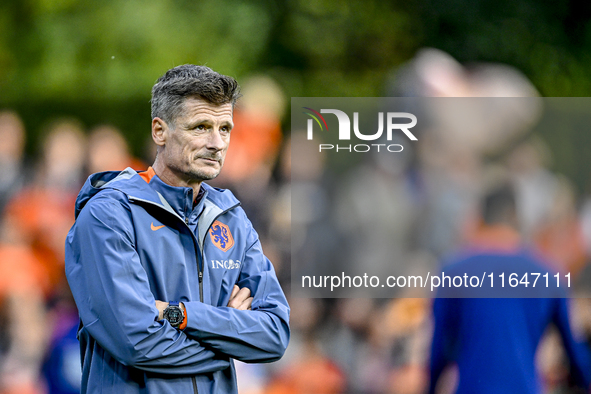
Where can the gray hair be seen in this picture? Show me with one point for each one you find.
(189, 80)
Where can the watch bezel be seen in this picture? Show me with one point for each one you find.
(174, 315)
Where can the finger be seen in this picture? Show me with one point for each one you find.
(242, 295)
(235, 291)
(246, 304)
(239, 298)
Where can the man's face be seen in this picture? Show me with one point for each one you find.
(196, 146)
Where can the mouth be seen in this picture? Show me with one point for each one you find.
(209, 159)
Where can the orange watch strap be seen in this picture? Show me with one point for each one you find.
(183, 325)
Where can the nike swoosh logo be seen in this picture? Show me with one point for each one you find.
(154, 228)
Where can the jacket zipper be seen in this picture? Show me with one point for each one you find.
(199, 266)
(194, 385)
(201, 280)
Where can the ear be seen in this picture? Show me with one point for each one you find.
(160, 131)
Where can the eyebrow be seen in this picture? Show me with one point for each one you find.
(190, 125)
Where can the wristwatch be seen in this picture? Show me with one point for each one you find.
(174, 314)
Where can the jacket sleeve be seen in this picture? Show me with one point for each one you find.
(444, 342)
(576, 348)
(259, 335)
(116, 306)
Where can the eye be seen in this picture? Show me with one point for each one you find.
(225, 129)
(200, 127)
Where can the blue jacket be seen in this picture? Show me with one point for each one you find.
(134, 243)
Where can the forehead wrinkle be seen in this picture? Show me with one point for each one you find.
(198, 111)
(193, 105)
(207, 120)
(207, 111)
(203, 119)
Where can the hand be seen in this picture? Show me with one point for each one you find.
(240, 299)
(161, 306)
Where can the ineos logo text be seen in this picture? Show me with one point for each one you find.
(225, 264)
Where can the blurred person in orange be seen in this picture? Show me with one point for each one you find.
(312, 373)
(306, 367)
(258, 131)
(22, 283)
(43, 210)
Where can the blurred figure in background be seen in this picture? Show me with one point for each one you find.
(41, 215)
(374, 213)
(280, 221)
(306, 367)
(256, 141)
(61, 368)
(63, 156)
(494, 341)
(408, 331)
(23, 326)
(559, 237)
(258, 130)
(313, 241)
(43, 210)
(458, 133)
(535, 186)
(108, 151)
(546, 207)
(12, 169)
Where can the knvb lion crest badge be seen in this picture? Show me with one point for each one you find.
(221, 236)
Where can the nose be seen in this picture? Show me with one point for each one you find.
(215, 141)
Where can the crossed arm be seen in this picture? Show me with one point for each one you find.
(239, 299)
(254, 326)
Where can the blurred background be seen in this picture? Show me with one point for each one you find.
(75, 81)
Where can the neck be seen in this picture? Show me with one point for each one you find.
(499, 237)
(172, 178)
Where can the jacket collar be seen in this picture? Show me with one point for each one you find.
(168, 197)
(180, 199)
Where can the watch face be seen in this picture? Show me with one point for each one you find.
(174, 315)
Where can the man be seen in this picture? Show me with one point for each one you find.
(167, 272)
(493, 341)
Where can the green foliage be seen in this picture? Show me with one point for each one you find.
(116, 49)
(97, 60)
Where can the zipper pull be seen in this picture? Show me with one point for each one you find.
(200, 276)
